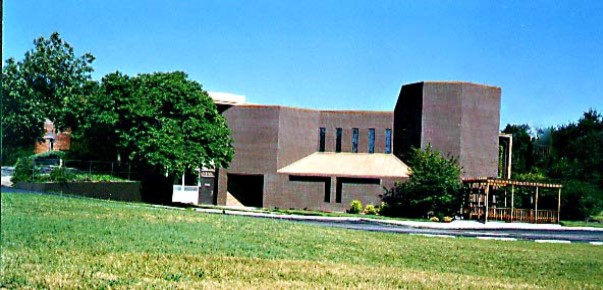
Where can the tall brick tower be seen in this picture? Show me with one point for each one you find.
(457, 118)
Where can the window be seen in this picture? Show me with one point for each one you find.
(371, 147)
(338, 140)
(355, 140)
(321, 146)
(388, 141)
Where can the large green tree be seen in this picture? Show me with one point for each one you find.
(97, 136)
(49, 83)
(578, 149)
(161, 121)
(434, 186)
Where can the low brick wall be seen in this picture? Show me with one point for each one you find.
(124, 191)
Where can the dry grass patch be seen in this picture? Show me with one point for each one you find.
(141, 270)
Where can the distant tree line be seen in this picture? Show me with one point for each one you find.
(569, 154)
(164, 124)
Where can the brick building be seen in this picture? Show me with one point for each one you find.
(53, 140)
(300, 158)
(456, 118)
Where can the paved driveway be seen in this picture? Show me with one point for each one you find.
(543, 235)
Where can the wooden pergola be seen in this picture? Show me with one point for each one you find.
(482, 204)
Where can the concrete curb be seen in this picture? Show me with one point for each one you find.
(455, 225)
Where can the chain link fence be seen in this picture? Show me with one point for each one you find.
(43, 170)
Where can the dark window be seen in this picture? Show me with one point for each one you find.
(321, 146)
(355, 140)
(338, 140)
(338, 188)
(388, 141)
(371, 147)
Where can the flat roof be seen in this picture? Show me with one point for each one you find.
(452, 83)
(247, 105)
(223, 98)
(345, 164)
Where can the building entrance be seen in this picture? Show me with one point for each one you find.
(245, 190)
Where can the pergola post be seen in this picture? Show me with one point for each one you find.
(536, 207)
(512, 201)
(487, 202)
(559, 206)
(505, 196)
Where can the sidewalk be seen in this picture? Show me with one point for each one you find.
(455, 225)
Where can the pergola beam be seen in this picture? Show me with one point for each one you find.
(506, 182)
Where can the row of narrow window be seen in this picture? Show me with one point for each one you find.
(355, 134)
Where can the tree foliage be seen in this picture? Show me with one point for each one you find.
(49, 83)
(570, 154)
(522, 147)
(434, 186)
(162, 120)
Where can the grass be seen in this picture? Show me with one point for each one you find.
(53, 242)
(598, 224)
(581, 224)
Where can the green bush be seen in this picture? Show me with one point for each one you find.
(355, 206)
(10, 155)
(61, 175)
(434, 186)
(580, 200)
(370, 210)
(24, 170)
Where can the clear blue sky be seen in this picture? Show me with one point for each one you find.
(547, 56)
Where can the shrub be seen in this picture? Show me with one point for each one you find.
(10, 155)
(61, 175)
(370, 210)
(448, 219)
(580, 200)
(434, 186)
(355, 206)
(24, 170)
(434, 219)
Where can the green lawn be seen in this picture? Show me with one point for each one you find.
(53, 242)
(581, 224)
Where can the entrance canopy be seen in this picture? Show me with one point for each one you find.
(362, 165)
